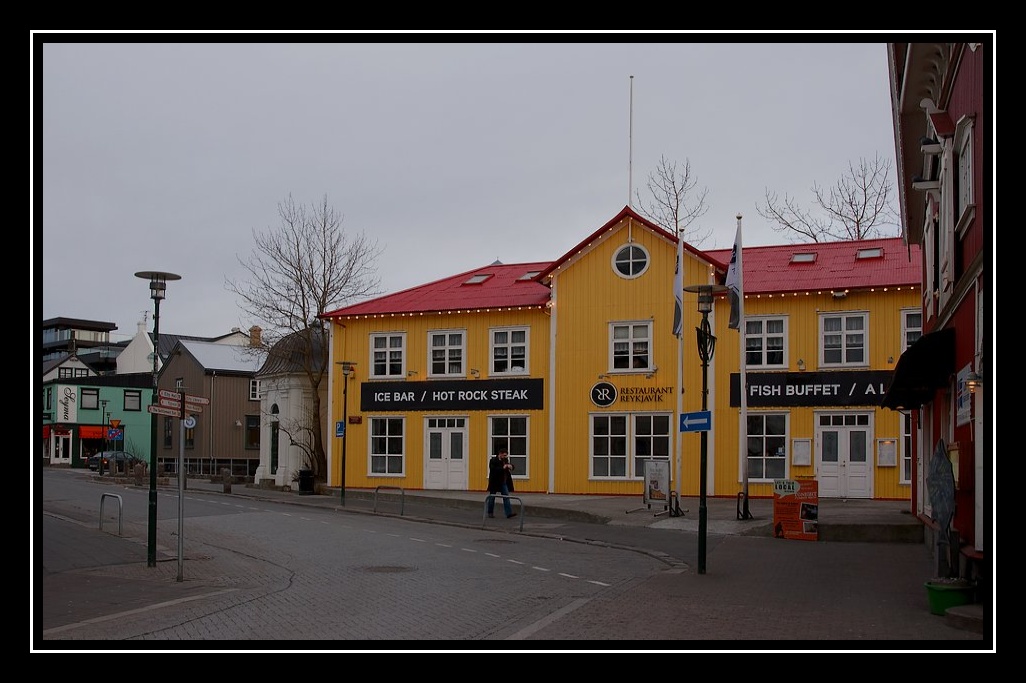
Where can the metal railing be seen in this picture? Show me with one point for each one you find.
(103, 499)
(484, 513)
(402, 497)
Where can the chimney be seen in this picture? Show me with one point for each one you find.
(254, 336)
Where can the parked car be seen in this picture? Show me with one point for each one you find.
(119, 461)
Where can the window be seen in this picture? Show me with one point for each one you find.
(764, 342)
(65, 373)
(133, 400)
(388, 355)
(529, 275)
(651, 440)
(478, 279)
(190, 437)
(911, 327)
(254, 390)
(629, 347)
(446, 348)
(179, 383)
(767, 441)
(90, 399)
(873, 252)
(387, 445)
(630, 261)
(905, 475)
(510, 432)
(622, 443)
(509, 352)
(843, 339)
(964, 173)
(803, 257)
(252, 432)
(168, 427)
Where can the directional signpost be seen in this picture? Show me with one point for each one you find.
(698, 421)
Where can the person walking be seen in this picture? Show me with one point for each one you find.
(500, 480)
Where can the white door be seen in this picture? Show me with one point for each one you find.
(445, 466)
(844, 457)
(60, 445)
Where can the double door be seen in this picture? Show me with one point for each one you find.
(445, 466)
(844, 455)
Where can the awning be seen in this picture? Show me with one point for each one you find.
(925, 367)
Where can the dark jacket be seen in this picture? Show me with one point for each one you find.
(497, 474)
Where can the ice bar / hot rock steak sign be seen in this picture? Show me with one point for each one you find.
(495, 394)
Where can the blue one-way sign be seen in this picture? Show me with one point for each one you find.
(698, 421)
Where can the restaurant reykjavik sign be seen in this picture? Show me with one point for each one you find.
(801, 389)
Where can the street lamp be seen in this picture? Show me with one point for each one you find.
(348, 369)
(706, 348)
(103, 422)
(158, 283)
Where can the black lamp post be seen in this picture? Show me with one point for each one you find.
(158, 283)
(103, 418)
(347, 370)
(706, 348)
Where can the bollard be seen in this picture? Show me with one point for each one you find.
(139, 471)
(226, 478)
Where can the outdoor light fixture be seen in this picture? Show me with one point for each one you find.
(801, 365)
(474, 372)
(411, 373)
(973, 382)
(158, 283)
(706, 349)
(348, 368)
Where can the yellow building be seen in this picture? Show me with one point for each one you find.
(573, 365)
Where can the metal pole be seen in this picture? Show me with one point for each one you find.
(704, 445)
(181, 488)
(345, 427)
(151, 530)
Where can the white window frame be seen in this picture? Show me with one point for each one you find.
(634, 271)
(509, 345)
(632, 462)
(762, 322)
(785, 440)
(451, 351)
(965, 205)
(518, 445)
(388, 338)
(372, 443)
(254, 390)
(905, 455)
(845, 316)
(910, 332)
(631, 327)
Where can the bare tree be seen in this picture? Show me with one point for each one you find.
(299, 270)
(855, 208)
(674, 203)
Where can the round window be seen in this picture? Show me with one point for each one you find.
(630, 261)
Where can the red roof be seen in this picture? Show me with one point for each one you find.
(495, 286)
(767, 270)
(834, 266)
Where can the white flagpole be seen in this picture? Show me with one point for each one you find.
(744, 513)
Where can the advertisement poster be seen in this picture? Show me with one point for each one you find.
(657, 482)
(796, 509)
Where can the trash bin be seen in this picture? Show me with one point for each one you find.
(306, 481)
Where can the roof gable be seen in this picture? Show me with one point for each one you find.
(222, 357)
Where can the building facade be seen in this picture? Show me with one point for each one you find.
(942, 130)
(574, 367)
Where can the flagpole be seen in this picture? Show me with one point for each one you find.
(745, 512)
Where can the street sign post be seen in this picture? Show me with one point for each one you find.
(698, 421)
(161, 410)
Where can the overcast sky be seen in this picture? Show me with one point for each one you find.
(161, 154)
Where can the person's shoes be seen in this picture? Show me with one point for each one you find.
(513, 514)
(492, 516)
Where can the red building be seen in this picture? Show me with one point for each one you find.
(943, 138)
